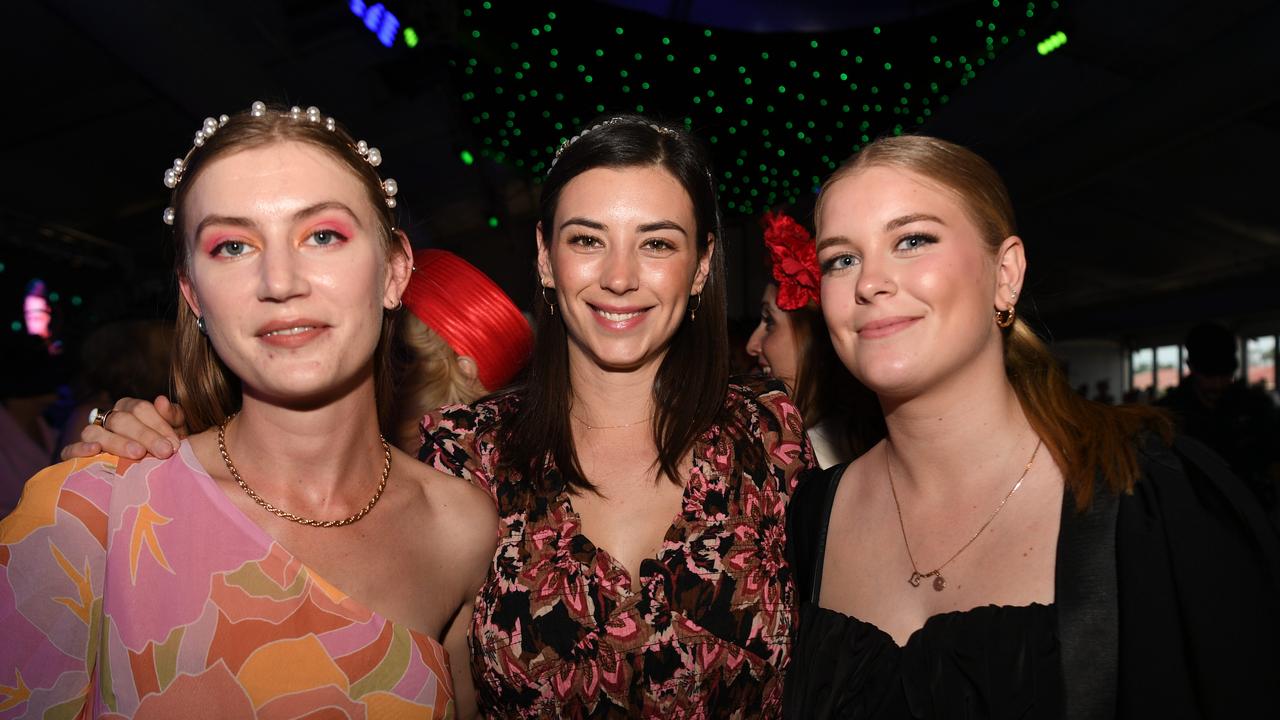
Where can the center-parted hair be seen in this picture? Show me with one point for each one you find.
(203, 385)
(690, 390)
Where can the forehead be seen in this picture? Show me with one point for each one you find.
(881, 193)
(270, 179)
(649, 190)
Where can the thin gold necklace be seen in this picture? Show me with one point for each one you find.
(589, 426)
(226, 458)
(940, 582)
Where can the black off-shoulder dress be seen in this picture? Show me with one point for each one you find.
(1167, 605)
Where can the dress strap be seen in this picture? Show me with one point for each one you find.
(1088, 606)
(833, 474)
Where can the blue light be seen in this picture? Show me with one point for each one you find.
(381, 21)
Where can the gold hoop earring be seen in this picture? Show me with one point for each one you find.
(1004, 318)
(548, 302)
(693, 311)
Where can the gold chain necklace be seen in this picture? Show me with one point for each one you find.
(939, 582)
(226, 458)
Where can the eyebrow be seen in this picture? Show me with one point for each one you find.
(896, 223)
(644, 228)
(302, 214)
(890, 226)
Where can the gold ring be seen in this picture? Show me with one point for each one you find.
(99, 418)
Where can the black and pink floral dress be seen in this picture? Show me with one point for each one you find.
(561, 629)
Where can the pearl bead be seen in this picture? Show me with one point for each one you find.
(210, 126)
(391, 202)
(258, 108)
(390, 187)
(222, 120)
(168, 216)
(313, 114)
(362, 147)
(330, 124)
(374, 157)
(170, 178)
(295, 112)
(177, 164)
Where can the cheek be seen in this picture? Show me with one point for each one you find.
(838, 301)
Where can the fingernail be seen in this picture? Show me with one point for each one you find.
(161, 448)
(134, 450)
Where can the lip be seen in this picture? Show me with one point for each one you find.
(291, 333)
(884, 327)
(623, 318)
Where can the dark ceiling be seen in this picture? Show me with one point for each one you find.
(1141, 154)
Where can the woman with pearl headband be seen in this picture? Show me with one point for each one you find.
(283, 560)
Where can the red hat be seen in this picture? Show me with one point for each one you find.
(471, 313)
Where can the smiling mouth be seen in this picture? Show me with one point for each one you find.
(617, 316)
(289, 331)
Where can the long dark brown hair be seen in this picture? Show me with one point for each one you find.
(690, 389)
(207, 390)
(1087, 439)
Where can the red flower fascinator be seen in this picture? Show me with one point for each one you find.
(795, 261)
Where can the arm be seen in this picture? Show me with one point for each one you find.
(475, 526)
(137, 427)
(52, 564)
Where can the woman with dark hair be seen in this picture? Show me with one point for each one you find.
(1009, 549)
(599, 603)
(791, 344)
(285, 560)
(641, 568)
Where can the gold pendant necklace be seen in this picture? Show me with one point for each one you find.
(940, 582)
(226, 458)
(607, 427)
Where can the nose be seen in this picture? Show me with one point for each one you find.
(280, 274)
(755, 343)
(621, 272)
(874, 281)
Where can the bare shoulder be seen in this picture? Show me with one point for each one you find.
(462, 512)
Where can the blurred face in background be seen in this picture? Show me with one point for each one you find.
(773, 343)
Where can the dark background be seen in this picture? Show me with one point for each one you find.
(1141, 154)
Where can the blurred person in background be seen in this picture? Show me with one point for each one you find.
(791, 343)
(462, 339)
(28, 388)
(1236, 420)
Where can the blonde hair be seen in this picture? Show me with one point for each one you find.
(428, 374)
(207, 390)
(1087, 439)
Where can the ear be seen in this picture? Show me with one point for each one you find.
(469, 368)
(189, 294)
(704, 266)
(545, 278)
(1011, 268)
(400, 267)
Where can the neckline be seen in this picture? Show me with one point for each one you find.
(934, 619)
(670, 535)
(243, 522)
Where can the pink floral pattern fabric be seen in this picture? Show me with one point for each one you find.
(561, 629)
(139, 590)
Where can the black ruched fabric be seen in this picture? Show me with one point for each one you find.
(988, 662)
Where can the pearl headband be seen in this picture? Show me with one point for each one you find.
(372, 155)
(611, 121)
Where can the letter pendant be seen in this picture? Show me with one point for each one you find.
(915, 579)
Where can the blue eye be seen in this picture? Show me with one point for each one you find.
(916, 241)
(839, 262)
(326, 237)
(230, 248)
